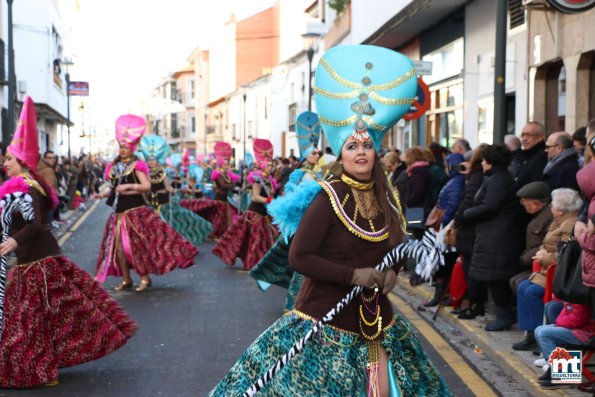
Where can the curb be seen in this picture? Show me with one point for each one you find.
(507, 360)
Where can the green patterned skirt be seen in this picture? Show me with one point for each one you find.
(333, 363)
(292, 291)
(273, 268)
(191, 226)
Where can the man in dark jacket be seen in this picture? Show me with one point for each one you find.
(562, 166)
(535, 198)
(532, 157)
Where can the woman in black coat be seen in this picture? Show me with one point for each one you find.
(466, 236)
(497, 242)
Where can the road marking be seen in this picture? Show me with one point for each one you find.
(76, 225)
(474, 382)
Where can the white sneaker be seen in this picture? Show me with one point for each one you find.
(545, 368)
(540, 362)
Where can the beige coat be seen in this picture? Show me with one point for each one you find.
(560, 230)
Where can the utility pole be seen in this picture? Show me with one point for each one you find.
(500, 73)
(11, 81)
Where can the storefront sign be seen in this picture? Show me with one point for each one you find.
(572, 6)
(423, 68)
(422, 102)
(78, 88)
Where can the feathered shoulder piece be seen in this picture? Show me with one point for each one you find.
(287, 210)
(255, 176)
(23, 184)
(141, 166)
(14, 185)
(215, 175)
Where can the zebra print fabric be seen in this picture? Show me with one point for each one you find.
(424, 250)
(10, 203)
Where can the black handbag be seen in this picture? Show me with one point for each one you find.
(568, 277)
(415, 217)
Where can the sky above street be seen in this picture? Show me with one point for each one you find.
(125, 47)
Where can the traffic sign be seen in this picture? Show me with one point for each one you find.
(423, 68)
(421, 103)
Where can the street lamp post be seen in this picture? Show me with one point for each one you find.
(205, 130)
(67, 76)
(67, 63)
(11, 81)
(310, 42)
(244, 96)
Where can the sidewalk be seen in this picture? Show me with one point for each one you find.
(68, 218)
(497, 345)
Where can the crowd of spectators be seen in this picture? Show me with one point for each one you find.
(512, 207)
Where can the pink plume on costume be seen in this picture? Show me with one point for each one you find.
(130, 129)
(215, 175)
(25, 144)
(200, 157)
(255, 176)
(13, 185)
(186, 158)
(168, 162)
(141, 166)
(263, 151)
(234, 178)
(54, 198)
(108, 169)
(274, 183)
(222, 152)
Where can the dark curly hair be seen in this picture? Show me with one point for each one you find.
(496, 155)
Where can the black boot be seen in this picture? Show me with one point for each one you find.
(526, 344)
(546, 376)
(472, 311)
(438, 292)
(503, 320)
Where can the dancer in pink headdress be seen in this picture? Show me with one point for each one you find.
(135, 236)
(251, 236)
(219, 211)
(54, 314)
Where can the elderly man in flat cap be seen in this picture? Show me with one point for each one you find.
(536, 198)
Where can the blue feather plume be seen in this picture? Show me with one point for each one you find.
(287, 210)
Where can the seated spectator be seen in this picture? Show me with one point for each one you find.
(535, 198)
(573, 326)
(562, 166)
(566, 203)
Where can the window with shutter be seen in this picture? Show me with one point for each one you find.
(516, 13)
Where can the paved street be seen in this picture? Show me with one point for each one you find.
(195, 323)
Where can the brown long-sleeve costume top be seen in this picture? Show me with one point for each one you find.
(35, 240)
(327, 252)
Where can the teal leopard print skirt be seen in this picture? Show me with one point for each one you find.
(333, 363)
(292, 291)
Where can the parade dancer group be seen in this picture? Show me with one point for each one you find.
(320, 235)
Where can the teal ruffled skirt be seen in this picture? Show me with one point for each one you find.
(292, 291)
(273, 268)
(191, 226)
(333, 363)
